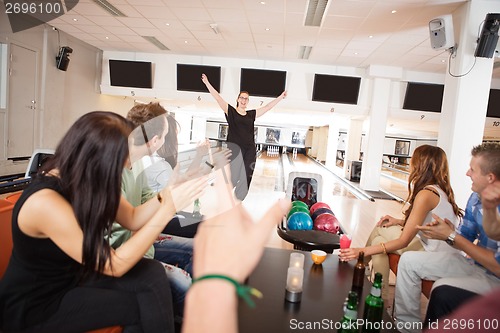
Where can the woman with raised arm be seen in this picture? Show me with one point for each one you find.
(63, 275)
(241, 131)
(429, 192)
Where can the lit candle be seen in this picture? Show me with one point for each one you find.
(296, 260)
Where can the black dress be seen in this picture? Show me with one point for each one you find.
(241, 141)
(39, 273)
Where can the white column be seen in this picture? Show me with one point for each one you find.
(353, 144)
(372, 157)
(465, 97)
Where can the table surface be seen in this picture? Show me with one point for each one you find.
(324, 291)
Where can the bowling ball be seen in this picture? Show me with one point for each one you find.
(328, 223)
(321, 211)
(298, 203)
(318, 205)
(297, 209)
(300, 221)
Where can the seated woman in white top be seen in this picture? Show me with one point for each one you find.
(430, 193)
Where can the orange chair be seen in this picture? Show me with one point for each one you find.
(393, 264)
(6, 206)
(13, 197)
(113, 329)
(5, 234)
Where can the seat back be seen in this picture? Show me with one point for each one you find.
(393, 264)
(36, 160)
(13, 197)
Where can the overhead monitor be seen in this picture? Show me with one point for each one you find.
(423, 97)
(189, 77)
(493, 110)
(134, 74)
(262, 82)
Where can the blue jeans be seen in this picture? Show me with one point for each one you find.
(177, 254)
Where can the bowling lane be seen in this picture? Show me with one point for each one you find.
(332, 186)
(266, 188)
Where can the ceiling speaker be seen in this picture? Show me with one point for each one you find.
(62, 59)
(441, 32)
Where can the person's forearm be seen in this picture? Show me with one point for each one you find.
(133, 218)
(130, 252)
(195, 164)
(491, 223)
(273, 103)
(388, 247)
(211, 306)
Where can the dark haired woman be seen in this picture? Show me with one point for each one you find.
(241, 132)
(63, 275)
(429, 192)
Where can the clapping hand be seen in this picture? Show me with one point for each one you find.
(437, 229)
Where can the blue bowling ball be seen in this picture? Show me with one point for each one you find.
(300, 221)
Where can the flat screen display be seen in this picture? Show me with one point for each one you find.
(262, 82)
(423, 97)
(134, 74)
(189, 77)
(493, 110)
(336, 89)
(402, 147)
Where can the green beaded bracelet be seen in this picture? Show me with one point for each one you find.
(242, 291)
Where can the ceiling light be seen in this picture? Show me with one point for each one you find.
(75, 19)
(107, 37)
(267, 29)
(156, 42)
(315, 12)
(167, 24)
(214, 27)
(262, 2)
(304, 52)
(394, 12)
(370, 36)
(109, 8)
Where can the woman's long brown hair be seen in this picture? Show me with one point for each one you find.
(90, 160)
(429, 166)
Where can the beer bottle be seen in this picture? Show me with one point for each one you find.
(348, 323)
(358, 277)
(196, 209)
(374, 307)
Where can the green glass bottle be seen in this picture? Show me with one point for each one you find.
(374, 307)
(348, 323)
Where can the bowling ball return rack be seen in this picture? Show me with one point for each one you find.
(307, 187)
(308, 240)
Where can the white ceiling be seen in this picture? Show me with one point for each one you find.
(355, 33)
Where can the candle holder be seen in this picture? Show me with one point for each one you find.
(294, 281)
(296, 260)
